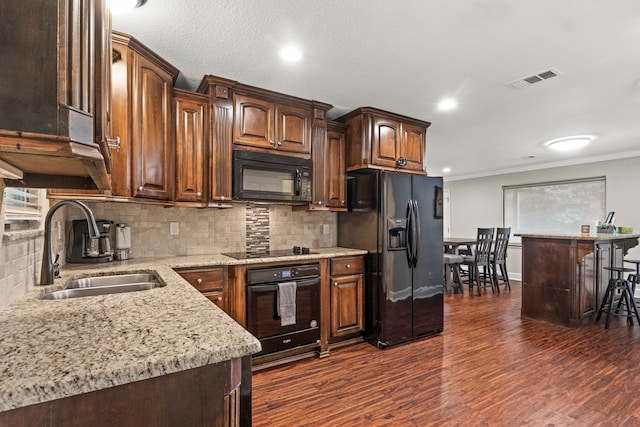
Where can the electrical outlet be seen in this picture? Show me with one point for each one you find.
(325, 228)
(174, 228)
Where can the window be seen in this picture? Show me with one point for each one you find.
(23, 208)
(554, 207)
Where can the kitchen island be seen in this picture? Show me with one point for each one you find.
(135, 347)
(563, 276)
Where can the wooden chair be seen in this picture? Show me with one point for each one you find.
(499, 258)
(481, 258)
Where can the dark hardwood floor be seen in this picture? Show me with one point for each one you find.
(490, 367)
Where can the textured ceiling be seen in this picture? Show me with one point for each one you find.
(404, 56)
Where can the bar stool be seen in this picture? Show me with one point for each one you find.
(626, 295)
(637, 263)
(452, 268)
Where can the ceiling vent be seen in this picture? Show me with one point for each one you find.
(533, 79)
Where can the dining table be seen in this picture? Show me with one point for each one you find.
(452, 244)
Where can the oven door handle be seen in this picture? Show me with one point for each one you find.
(268, 288)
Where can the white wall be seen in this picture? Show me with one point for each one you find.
(477, 202)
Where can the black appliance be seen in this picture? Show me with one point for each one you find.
(297, 250)
(271, 177)
(397, 218)
(263, 320)
(82, 249)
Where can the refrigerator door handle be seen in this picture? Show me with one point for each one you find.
(410, 233)
(415, 223)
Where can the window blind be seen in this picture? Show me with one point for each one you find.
(23, 208)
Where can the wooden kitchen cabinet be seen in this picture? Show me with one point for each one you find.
(336, 180)
(211, 282)
(347, 298)
(143, 166)
(260, 123)
(191, 121)
(53, 107)
(383, 140)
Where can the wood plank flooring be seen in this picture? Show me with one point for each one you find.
(490, 367)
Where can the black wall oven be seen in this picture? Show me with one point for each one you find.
(263, 319)
(271, 177)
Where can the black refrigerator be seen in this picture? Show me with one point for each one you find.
(397, 218)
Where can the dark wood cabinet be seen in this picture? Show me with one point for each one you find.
(191, 121)
(563, 278)
(204, 396)
(211, 282)
(347, 299)
(264, 124)
(53, 107)
(384, 140)
(336, 166)
(143, 166)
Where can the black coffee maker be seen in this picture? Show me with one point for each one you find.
(81, 248)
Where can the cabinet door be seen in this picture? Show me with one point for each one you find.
(412, 147)
(190, 122)
(293, 126)
(152, 155)
(335, 177)
(385, 142)
(253, 122)
(346, 305)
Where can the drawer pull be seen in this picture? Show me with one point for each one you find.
(219, 298)
(335, 283)
(199, 281)
(348, 265)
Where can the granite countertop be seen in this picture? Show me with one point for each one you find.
(590, 237)
(50, 349)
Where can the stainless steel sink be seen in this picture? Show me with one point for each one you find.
(113, 280)
(105, 285)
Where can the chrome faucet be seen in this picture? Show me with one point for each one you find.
(49, 268)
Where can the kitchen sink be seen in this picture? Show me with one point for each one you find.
(105, 285)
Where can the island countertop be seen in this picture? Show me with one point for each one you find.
(51, 349)
(576, 236)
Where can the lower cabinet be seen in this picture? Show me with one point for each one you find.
(211, 282)
(205, 396)
(347, 311)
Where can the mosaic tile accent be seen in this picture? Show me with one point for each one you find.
(257, 228)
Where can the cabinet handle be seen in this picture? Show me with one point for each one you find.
(219, 298)
(199, 281)
(335, 283)
(320, 202)
(114, 144)
(140, 188)
(279, 142)
(198, 194)
(401, 162)
(271, 141)
(348, 265)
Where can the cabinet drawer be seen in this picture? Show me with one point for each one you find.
(205, 280)
(347, 265)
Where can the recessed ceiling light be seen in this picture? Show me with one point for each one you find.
(569, 143)
(447, 104)
(290, 53)
(446, 170)
(118, 7)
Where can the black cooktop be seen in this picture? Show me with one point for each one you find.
(268, 254)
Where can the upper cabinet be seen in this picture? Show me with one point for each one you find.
(54, 107)
(335, 180)
(143, 164)
(383, 140)
(191, 117)
(261, 123)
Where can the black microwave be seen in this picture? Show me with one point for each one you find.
(271, 178)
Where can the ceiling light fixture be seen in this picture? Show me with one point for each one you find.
(569, 143)
(447, 104)
(118, 7)
(291, 53)
(446, 170)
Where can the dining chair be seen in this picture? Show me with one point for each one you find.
(499, 257)
(481, 258)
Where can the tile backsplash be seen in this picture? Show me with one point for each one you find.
(201, 231)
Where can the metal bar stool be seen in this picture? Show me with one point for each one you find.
(626, 296)
(633, 282)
